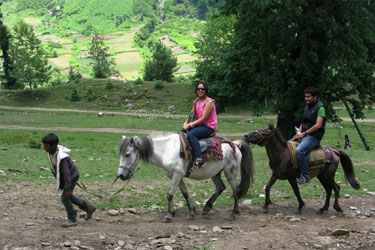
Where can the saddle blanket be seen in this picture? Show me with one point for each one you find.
(213, 151)
(317, 158)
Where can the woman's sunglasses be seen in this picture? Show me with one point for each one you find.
(200, 89)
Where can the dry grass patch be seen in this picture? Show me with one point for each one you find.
(60, 62)
(185, 58)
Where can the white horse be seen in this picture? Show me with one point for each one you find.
(164, 151)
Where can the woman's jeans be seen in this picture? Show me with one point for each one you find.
(308, 143)
(68, 202)
(194, 135)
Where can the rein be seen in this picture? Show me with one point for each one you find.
(262, 137)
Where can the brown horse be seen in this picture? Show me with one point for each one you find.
(282, 167)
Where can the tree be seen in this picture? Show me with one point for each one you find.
(279, 47)
(9, 82)
(30, 63)
(102, 65)
(162, 65)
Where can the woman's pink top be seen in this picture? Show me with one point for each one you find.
(211, 121)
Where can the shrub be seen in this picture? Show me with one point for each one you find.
(109, 85)
(138, 81)
(75, 96)
(158, 84)
(34, 144)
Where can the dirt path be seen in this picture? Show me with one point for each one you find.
(143, 114)
(31, 215)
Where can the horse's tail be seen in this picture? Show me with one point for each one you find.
(247, 169)
(347, 165)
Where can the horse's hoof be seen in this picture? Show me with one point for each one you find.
(265, 210)
(190, 217)
(338, 209)
(299, 211)
(232, 217)
(319, 212)
(206, 216)
(167, 220)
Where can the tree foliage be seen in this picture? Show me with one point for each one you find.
(103, 66)
(279, 47)
(5, 79)
(162, 65)
(30, 63)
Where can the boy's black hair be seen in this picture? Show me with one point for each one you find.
(311, 90)
(51, 139)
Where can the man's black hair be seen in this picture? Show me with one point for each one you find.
(51, 139)
(311, 90)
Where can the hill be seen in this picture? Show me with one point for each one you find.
(96, 94)
(130, 28)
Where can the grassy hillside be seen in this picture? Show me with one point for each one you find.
(97, 94)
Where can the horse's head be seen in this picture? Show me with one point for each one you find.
(260, 136)
(129, 157)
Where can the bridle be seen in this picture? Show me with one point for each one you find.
(133, 167)
(262, 137)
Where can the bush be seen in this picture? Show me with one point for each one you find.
(109, 85)
(138, 81)
(75, 96)
(35, 144)
(158, 84)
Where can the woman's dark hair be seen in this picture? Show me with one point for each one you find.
(51, 139)
(203, 83)
(311, 90)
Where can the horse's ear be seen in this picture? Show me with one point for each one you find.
(270, 126)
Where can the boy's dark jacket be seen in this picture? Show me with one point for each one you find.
(66, 169)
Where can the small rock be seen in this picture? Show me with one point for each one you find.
(317, 246)
(67, 244)
(339, 232)
(43, 168)
(193, 227)
(113, 212)
(86, 175)
(247, 202)
(324, 240)
(180, 234)
(130, 106)
(217, 229)
(227, 227)
(332, 217)
(77, 243)
(213, 239)
(45, 244)
(346, 195)
(29, 224)
(2, 173)
(121, 243)
(132, 210)
(129, 246)
(371, 193)
(27, 159)
(168, 248)
(262, 195)
(121, 211)
(295, 219)
(353, 208)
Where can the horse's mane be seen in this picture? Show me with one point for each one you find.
(143, 144)
(280, 137)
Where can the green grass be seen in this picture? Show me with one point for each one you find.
(96, 155)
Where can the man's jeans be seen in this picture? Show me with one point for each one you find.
(308, 143)
(194, 135)
(68, 202)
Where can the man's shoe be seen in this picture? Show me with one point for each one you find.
(69, 223)
(90, 210)
(303, 180)
(197, 165)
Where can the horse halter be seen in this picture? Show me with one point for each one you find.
(133, 166)
(262, 137)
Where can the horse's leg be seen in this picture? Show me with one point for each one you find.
(232, 179)
(220, 187)
(176, 179)
(190, 205)
(336, 205)
(294, 185)
(267, 200)
(324, 180)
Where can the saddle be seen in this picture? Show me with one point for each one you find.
(317, 158)
(210, 147)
